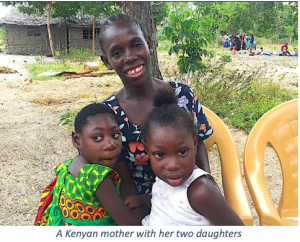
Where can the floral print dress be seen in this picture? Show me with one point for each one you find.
(133, 151)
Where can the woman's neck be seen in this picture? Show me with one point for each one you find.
(140, 93)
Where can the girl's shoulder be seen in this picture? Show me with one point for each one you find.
(94, 174)
(64, 166)
(205, 176)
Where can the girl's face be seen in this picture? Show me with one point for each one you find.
(99, 141)
(127, 52)
(172, 153)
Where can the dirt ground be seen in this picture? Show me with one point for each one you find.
(32, 142)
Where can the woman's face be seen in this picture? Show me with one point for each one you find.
(127, 52)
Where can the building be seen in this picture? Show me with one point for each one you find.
(27, 34)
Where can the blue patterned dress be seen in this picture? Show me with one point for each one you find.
(133, 151)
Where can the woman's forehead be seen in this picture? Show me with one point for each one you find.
(120, 32)
(122, 27)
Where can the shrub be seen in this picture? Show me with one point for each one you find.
(80, 55)
(225, 58)
(237, 97)
(3, 36)
(68, 117)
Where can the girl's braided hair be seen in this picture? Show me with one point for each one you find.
(167, 113)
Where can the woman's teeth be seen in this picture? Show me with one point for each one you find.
(135, 70)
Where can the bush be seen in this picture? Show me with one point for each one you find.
(225, 58)
(3, 37)
(237, 97)
(76, 55)
(68, 117)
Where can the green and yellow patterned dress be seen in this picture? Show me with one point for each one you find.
(74, 201)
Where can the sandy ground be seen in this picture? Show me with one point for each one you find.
(32, 142)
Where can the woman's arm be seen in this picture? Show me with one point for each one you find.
(127, 187)
(138, 201)
(115, 206)
(206, 200)
(202, 157)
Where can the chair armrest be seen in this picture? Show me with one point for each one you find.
(254, 175)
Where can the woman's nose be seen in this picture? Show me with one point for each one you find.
(130, 56)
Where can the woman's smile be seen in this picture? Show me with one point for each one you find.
(135, 71)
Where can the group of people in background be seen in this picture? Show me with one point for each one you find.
(238, 42)
(244, 42)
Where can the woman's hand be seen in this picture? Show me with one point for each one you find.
(138, 201)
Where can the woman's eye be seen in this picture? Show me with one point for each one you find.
(158, 155)
(138, 45)
(116, 135)
(182, 152)
(97, 137)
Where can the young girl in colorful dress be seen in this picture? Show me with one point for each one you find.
(86, 191)
(182, 194)
(126, 48)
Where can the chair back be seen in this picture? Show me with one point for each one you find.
(232, 181)
(279, 128)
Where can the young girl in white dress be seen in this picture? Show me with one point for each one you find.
(182, 194)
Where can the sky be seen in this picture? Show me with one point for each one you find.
(4, 10)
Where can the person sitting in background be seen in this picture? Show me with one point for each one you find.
(260, 51)
(284, 49)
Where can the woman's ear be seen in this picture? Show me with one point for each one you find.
(106, 62)
(149, 43)
(145, 146)
(76, 140)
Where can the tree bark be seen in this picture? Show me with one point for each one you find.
(142, 11)
(48, 28)
(94, 24)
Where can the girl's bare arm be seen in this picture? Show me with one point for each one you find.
(115, 206)
(127, 187)
(206, 200)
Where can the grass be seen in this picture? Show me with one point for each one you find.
(238, 98)
(68, 117)
(35, 69)
(244, 110)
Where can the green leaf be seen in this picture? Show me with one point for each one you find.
(175, 48)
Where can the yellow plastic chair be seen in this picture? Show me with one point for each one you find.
(232, 181)
(279, 127)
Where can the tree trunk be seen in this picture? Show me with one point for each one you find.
(94, 23)
(143, 12)
(48, 28)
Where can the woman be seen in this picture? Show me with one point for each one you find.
(126, 49)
